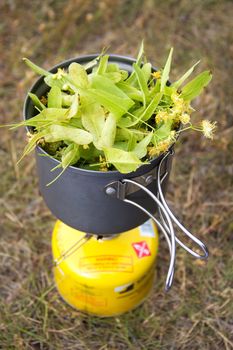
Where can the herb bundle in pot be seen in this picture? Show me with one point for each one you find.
(102, 119)
(98, 117)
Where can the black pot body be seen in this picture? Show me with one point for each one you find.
(78, 197)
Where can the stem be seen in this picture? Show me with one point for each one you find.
(141, 121)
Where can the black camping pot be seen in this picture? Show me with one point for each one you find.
(93, 201)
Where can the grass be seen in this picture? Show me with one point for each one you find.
(197, 313)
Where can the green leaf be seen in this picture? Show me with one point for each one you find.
(141, 77)
(73, 110)
(125, 162)
(195, 86)
(36, 68)
(54, 114)
(92, 63)
(115, 104)
(67, 100)
(32, 144)
(103, 63)
(106, 85)
(115, 77)
(108, 133)
(179, 82)
(37, 103)
(112, 67)
(45, 118)
(146, 69)
(163, 132)
(55, 97)
(123, 145)
(166, 70)
(156, 88)
(130, 91)
(70, 156)
(142, 114)
(146, 115)
(50, 81)
(93, 118)
(61, 133)
(132, 78)
(141, 148)
(78, 75)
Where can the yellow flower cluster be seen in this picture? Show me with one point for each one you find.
(103, 164)
(60, 73)
(156, 75)
(181, 110)
(162, 116)
(161, 146)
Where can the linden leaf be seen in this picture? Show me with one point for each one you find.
(195, 86)
(166, 71)
(36, 68)
(93, 118)
(61, 133)
(141, 148)
(125, 162)
(108, 133)
(37, 103)
(78, 75)
(55, 97)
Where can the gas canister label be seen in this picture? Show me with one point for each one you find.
(106, 263)
(147, 229)
(141, 249)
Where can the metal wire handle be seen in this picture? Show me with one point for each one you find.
(198, 242)
(167, 218)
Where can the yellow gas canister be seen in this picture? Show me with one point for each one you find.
(105, 276)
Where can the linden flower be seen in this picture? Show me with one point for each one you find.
(29, 136)
(159, 148)
(162, 146)
(156, 75)
(184, 118)
(60, 73)
(161, 116)
(176, 98)
(208, 128)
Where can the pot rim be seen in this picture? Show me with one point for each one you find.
(88, 58)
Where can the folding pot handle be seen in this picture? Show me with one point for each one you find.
(167, 218)
(198, 242)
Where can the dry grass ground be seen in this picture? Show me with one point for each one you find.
(197, 313)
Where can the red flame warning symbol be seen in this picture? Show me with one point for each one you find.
(141, 249)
